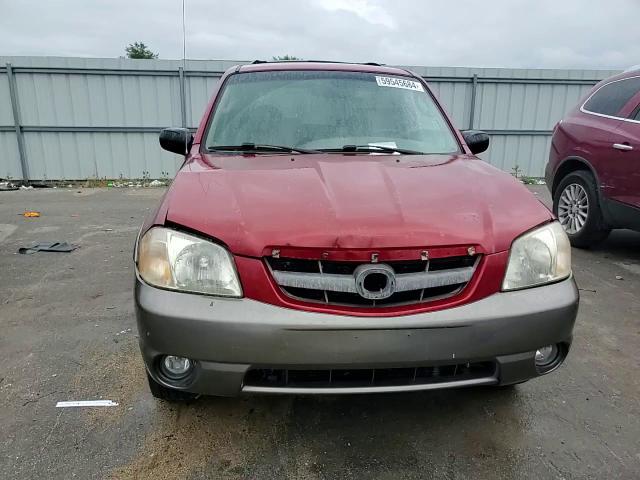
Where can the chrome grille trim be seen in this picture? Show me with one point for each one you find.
(316, 281)
(333, 282)
(347, 283)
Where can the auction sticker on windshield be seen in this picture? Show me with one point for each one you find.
(395, 82)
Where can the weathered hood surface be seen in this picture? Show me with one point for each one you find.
(351, 201)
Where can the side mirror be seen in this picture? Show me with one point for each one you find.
(176, 140)
(476, 140)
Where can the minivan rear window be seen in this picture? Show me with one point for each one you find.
(327, 110)
(609, 99)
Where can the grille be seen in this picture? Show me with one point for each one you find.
(368, 377)
(333, 282)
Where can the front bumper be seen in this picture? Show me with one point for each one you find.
(227, 337)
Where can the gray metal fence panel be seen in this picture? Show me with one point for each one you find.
(9, 157)
(72, 155)
(6, 118)
(95, 100)
(528, 152)
(198, 91)
(96, 117)
(456, 97)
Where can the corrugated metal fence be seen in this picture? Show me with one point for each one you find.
(77, 118)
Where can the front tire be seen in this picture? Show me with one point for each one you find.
(577, 205)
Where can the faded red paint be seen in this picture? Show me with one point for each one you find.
(352, 202)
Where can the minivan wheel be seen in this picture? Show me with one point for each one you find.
(577, 207)
(168, 394)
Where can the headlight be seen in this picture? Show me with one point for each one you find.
(538, 257)
(176, 260)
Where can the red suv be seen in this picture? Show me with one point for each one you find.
(594, 165)
(330, 231)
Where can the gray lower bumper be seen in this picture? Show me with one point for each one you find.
(229, 336)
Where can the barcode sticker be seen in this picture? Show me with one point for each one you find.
(395, 82)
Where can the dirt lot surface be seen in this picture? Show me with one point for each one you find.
(67, 332)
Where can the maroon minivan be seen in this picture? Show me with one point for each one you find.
(594, 164)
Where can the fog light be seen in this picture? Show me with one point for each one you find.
(176, 367)
(546, 356)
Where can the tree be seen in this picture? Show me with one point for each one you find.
(285, 58)
(139, 50)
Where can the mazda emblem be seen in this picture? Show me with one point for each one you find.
(375, 282)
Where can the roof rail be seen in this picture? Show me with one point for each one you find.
(257, 62)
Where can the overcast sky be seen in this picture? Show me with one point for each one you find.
(491, 33)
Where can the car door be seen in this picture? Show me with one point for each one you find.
(625, 174)
(610, 107)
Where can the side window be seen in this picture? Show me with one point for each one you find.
(637, 116)
(610, 99)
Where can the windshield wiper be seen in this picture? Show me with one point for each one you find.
(252, 147)
(372, 149)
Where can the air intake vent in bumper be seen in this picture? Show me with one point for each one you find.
(370, 377)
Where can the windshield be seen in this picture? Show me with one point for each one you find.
(328, 110)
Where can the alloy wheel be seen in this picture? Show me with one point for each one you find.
(573, 208)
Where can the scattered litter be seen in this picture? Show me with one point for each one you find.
(48, 247)
(123, 332)
(153, 183)
(54, 375)
(107, 229)
(587, 290)
(87, 403)
(75, 215)
(31, 214)
(619, 277)
(24, 187)
(6, 186)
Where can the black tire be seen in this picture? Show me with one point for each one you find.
(169, 394)
(595, 229)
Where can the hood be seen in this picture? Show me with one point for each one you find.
(346, 201)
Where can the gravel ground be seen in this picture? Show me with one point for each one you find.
(68, 333)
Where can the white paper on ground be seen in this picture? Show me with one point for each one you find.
(87, 403)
